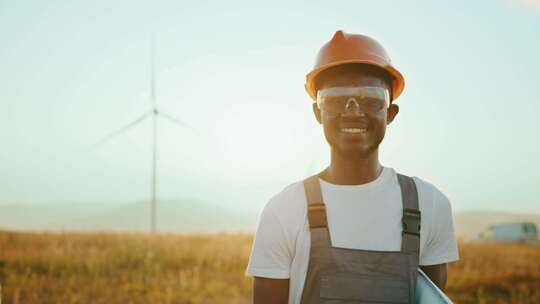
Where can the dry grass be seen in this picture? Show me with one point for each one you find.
(124, 268)
(495, 273)
(136, 268)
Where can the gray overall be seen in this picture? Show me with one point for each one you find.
(340, 275)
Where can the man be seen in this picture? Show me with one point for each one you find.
(351, 234)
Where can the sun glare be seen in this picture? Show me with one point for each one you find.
(256, 140)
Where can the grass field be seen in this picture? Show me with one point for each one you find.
(137, 268)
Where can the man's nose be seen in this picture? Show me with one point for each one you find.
(352, 108)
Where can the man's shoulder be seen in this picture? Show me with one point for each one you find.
(288, 205)
(439, 245)
(423, 186)
(431, 198)
(290, 196)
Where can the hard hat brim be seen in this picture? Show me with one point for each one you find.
(398, 81)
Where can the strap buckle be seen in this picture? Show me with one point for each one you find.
(411, 221)
(317, 215)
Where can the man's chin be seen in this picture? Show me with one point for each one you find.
(356, 151)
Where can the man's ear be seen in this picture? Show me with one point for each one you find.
(317, 112)
(392, 112)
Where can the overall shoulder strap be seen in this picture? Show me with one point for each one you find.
(410, 241)
(315, 205)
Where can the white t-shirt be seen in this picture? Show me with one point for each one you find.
(366, 216)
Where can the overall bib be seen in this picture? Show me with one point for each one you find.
(340, 275)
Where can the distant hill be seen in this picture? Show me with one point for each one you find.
(186, 216)
(183, 216)
(469, 224)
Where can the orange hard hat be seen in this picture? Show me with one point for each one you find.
(349, 48)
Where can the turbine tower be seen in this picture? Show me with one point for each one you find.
(155, 115)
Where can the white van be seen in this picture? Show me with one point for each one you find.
(522, 231)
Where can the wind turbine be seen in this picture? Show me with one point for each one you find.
(154, 114)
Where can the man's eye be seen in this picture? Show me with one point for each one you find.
(374, 101)
(337, 99)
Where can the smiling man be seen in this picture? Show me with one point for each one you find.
(357, 231)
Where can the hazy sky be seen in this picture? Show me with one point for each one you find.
(74, 71)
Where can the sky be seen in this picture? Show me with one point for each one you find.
(75, 71)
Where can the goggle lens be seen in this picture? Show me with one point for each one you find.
(338, 100)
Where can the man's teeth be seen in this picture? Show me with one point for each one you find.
(353, 130)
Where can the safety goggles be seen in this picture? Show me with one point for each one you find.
(341, 100)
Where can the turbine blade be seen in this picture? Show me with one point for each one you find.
(123, 129)
(177, 121)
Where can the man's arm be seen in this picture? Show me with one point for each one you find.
(437, 274)
(270, 291)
